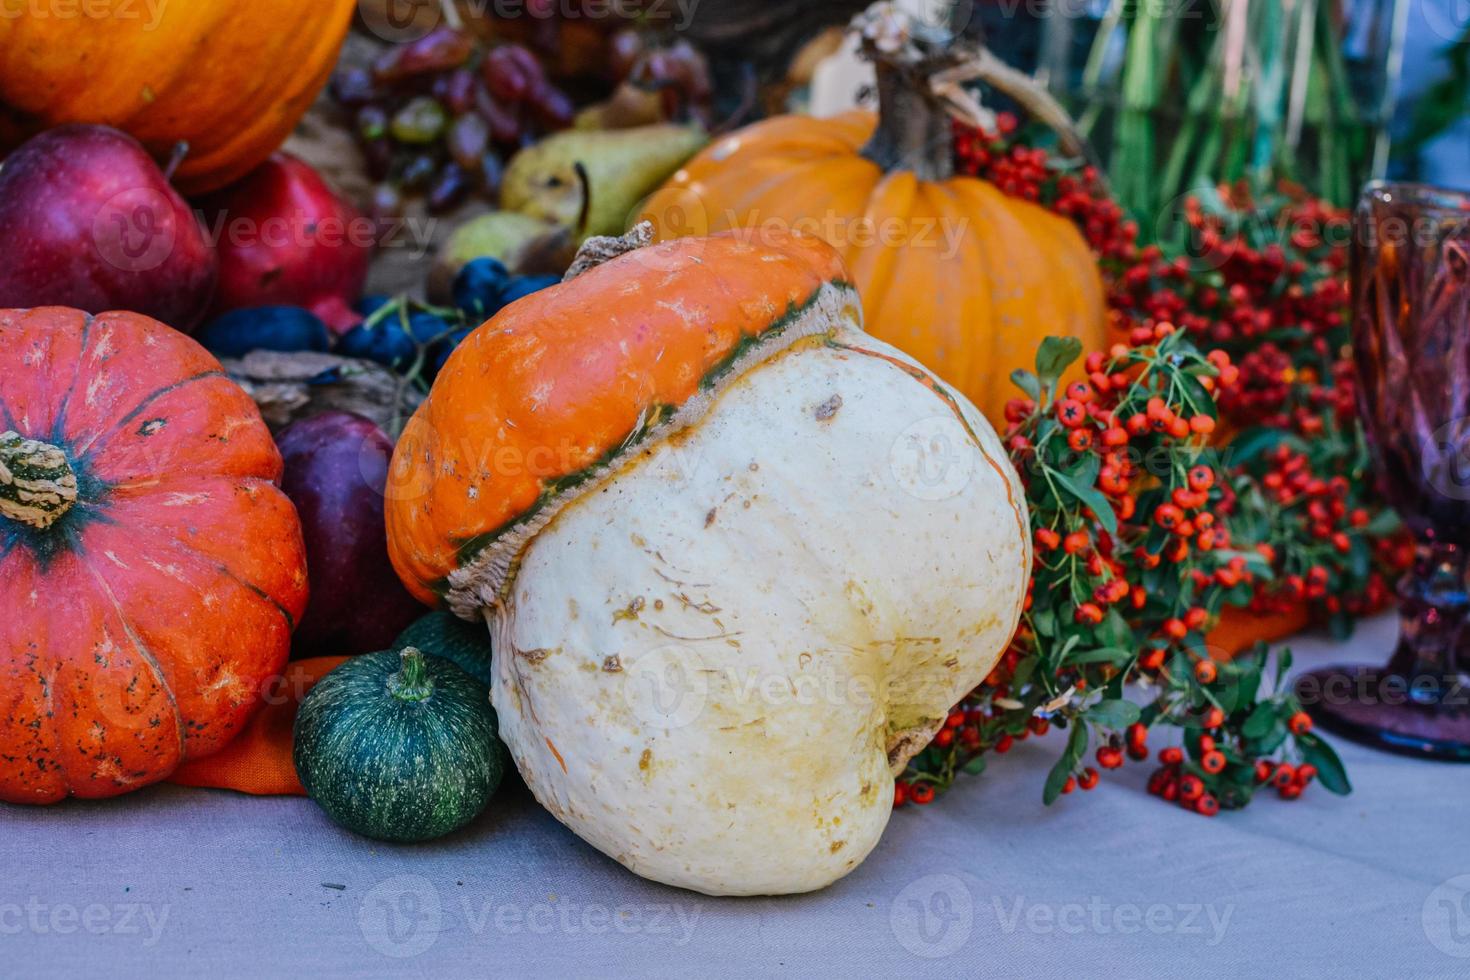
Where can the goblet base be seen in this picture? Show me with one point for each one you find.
(1387, 710)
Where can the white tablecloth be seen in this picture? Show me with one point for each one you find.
(987, 882)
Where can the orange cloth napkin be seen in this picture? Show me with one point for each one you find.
(258, 761)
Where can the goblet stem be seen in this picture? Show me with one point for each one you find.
(1431, 653)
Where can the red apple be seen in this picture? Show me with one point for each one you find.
(285, 238)
(89, 221)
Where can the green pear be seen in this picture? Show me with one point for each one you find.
(524, 244)
(618, 169)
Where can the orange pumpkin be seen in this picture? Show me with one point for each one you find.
(150, 570)
(230, 78)
(950, 270)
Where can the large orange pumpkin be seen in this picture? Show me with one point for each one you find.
(150, 570)
(950, 270)
(230, 78)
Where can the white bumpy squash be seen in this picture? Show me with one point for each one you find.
(739, 558)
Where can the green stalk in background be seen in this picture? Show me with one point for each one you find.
(1182, 97)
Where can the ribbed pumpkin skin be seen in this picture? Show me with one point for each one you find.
(393, 769)
(231, 78)
(139, 629)
(968, 281)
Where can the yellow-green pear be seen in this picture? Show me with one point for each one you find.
(592, 180)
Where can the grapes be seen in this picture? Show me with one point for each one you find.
(505, 124)
(386, 203)
(468, 138)
(491, 170)
(418, 172)
(421, 120)
(353, 87)
(624, 50)
(372, 123)
(681, 74)
(506, 75)
(457, 90)
(439, 50)
(552, 108)
(450, 186)
(434, 117)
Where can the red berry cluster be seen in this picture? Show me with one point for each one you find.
(1264, 281)
(1267, 284)
(1327, 525)
(1199, 783)
(1076, 192)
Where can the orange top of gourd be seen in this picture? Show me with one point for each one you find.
(558, 384)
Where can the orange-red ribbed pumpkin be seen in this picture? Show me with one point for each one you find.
(150, 570)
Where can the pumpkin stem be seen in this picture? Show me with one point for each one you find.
(921, 72)
(914, 131)
(37, 485)
(412, 681)
(604, 248)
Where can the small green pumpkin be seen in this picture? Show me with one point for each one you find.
(444, 634)
(399, 746)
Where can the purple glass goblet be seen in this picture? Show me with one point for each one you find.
(1411, 348)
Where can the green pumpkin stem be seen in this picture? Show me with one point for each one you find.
(37, 485)
(412, 682)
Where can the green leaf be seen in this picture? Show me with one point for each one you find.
(1027, 382)
(1329, 767)
(1195, 395)
(1057, 778)
(1283, 668)
(1116, 715)
(1045, 622)
(1101, 655)
(1382, 524)
(1245, 685)
(1273, 739)
(1053, 357)
(1092, 498)
(1114, 629)
(1023, 673)
(1258, 725)
(975, 766)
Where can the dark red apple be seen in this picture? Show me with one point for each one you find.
(285, 238)
(336, 469)
(89, 221)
